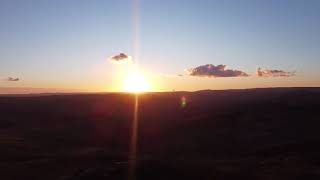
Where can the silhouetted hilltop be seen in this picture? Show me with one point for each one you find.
(227, 134)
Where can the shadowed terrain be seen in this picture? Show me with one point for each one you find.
(232, 134)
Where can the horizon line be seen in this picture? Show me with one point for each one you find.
(72, 92)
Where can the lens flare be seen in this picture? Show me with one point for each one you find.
(133, 140)
(183, 102)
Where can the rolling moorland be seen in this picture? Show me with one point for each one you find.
(266, 134)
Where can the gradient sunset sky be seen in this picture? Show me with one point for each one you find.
(178, 44)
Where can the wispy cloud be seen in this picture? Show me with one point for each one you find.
(274, 73)
(171, 75)
(210, 70)
(121, 58)
(12, 79)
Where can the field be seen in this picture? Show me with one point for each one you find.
(232, 134)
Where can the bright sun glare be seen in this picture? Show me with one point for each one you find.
(136, 83)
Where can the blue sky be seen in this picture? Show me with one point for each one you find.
(60, 43)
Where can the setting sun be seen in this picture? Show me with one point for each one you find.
(136, 83)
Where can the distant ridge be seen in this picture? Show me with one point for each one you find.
(18, 90)
(26, 92)
(255, 89)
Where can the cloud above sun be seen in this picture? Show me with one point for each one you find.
(274, 73)
(12, 79)
(210, 70)
(121, 58)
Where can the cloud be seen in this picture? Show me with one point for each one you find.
(172, 75)
(12, 79)
(274, 73)
(210, 70)
(120, 58)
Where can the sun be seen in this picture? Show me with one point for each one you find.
(136, 83)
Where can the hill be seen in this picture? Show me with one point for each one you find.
(231, 134)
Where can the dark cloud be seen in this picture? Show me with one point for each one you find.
(120, 58)
(274, 73)
(12, 79)
(210, 70)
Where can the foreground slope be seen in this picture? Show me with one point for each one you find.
(251, 134)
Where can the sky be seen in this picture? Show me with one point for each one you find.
(177, 44)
